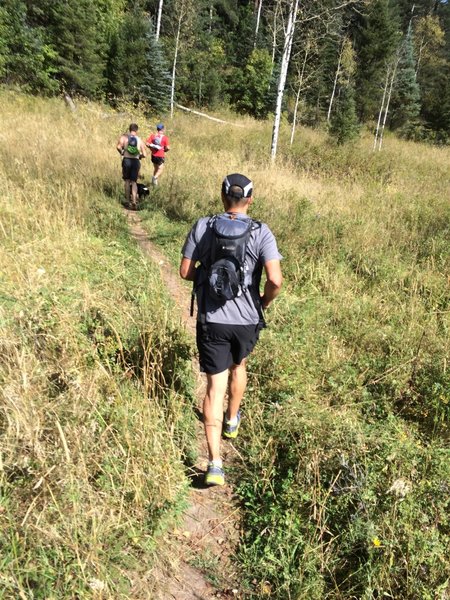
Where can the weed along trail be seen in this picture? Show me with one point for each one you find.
(208, 533)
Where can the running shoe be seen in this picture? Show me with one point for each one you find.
(214, 475)
(231, 431)
(155, 180)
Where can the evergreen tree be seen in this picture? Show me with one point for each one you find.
(3, 44)
(156, 80)
(131, 57)
(114, 72)
(375, 45)
(344, 123)
(406, 96)
(25, 57)
(81, 50)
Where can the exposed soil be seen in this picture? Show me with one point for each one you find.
(208, 535)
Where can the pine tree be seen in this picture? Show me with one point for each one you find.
(406, 96)
(81, 50)
(344, 123)
(375, 45)
(131, 57)
(114, 72)
(25, 57)
(156, 81)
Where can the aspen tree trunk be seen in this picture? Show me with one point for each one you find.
(211, 6)
(274, 32)
(297, 98)
(289, 35)
(394, 72)
(258, 17)
(174, 67)
(158, 20)
(381, 107)
(419, 56)
(338, 70)
(274, 38)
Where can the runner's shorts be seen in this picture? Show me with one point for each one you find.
(157, 160)
(130, 168)
(220, 346)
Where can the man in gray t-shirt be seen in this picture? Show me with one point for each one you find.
(227, 331)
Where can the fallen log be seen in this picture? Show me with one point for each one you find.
(200, 114)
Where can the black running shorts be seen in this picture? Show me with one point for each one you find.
(221, 346)
(130, 168)
(157, 160)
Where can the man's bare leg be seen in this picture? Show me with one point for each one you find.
(213, 411)
(158, 169)
(134, 192)
(127, 190)
(238, 384)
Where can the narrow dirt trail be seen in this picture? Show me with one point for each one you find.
(208, 535)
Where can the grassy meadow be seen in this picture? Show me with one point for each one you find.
(345, 474)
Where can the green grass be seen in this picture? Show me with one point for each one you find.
(96, 413)
(345, 476)
(345, 438)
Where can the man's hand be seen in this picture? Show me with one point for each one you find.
(264, 302)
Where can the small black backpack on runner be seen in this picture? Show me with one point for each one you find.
(227, 266)
(133, 147)
(226, 272)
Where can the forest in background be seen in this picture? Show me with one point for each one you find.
(351, 63)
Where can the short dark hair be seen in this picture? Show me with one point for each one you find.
(235, 196)
(133, 127)
(237, 186)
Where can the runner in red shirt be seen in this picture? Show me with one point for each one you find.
(159, 144)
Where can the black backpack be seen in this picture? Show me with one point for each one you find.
(132, 147)
(226, 267)
(227, 264)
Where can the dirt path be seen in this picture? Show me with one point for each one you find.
(209, 532)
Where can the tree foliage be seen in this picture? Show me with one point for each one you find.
(406, 99)
(105, 49)
(344, 123)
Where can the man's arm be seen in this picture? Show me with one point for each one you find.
(274, 279)
(142, 150)
(187, 269)
(119, 146)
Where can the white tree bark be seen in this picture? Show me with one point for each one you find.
(258, 18)
(386, 110)
(211, 7)
(297, 97)
(333, 93)
(275, 31)
(174, 66)
(158, 20)
(381, 107)
(289, 35)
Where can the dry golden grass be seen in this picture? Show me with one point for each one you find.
(93, 428)
(90, 465)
